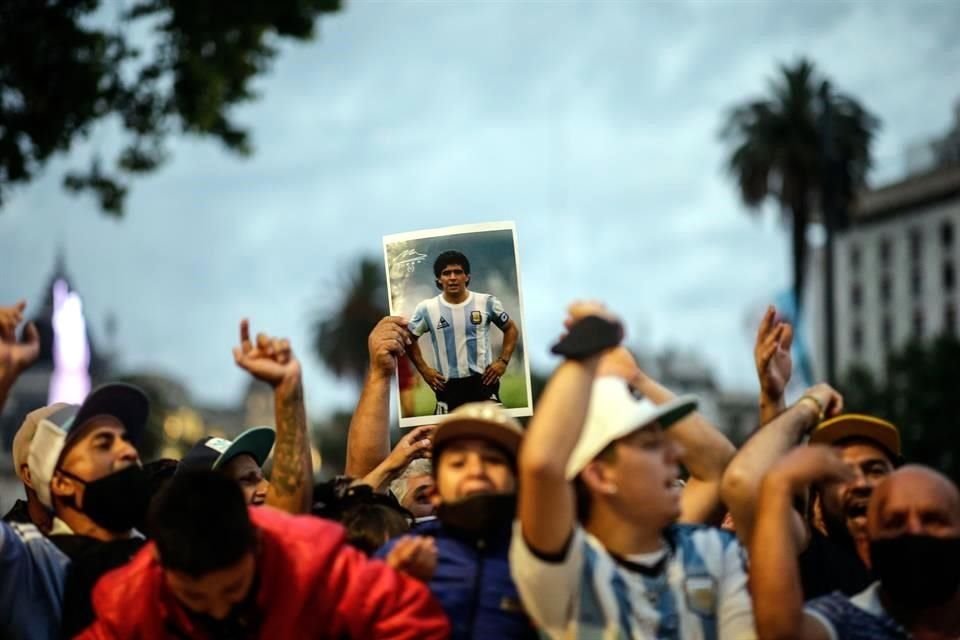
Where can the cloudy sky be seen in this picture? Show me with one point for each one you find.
(591, 124)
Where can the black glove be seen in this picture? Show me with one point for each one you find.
(588, 337)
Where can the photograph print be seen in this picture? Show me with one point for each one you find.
(459, 289)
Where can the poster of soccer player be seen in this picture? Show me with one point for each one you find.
(459, 289)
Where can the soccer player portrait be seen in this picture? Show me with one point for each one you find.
(458, 321)
(458, 292)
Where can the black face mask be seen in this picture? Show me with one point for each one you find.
(917, 571)
(118, 501)
(481, 516)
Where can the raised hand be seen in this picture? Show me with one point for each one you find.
(269, 359)
(414, 555)
(16, 356)
(387, 342)
(771, 355)
(807, 465)
(828, 399)
(415, 444)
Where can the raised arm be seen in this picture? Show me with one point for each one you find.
(707, 452)
(368, 439)
(547, 506)
(771, 355)
(741, 481)
(774, 572)
(415, 444)
(15, 356)
(272, 361)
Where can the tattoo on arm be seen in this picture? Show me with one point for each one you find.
(290, 486)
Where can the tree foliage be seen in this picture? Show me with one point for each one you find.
(919, 395)
(776, 151)
(65, 67)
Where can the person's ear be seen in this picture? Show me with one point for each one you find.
(433, 495)
(599, 478)
(468, 280)
(439, 286)
(25, 475)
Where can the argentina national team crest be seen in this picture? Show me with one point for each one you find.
(476, 317)
(701, 592)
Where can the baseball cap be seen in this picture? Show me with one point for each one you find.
(855, 425)
(614, 412)
(486, 420)
(24, 435)
(211, 453)
(56, 432)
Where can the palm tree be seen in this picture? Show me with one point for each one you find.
(777, 151)
(341, 329)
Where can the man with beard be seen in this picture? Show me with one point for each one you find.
(832, 543)
(913, 537)
(219, 569)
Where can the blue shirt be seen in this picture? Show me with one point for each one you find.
(861, 617)
(32, 572)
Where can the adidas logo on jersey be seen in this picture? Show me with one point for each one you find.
(443, 324)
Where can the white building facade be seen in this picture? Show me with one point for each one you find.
(895, 272)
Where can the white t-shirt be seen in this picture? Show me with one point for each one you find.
(695, 589)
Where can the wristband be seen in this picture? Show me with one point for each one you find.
(506, 363)
(588, 337)
(816, 403)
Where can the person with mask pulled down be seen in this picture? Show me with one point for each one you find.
(913, 530)
(218, 568)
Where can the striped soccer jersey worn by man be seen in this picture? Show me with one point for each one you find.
(695, 588)
(460, 333)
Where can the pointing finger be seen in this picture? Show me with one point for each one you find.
(245, 344)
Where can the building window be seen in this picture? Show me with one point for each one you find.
(885, 288)
(916, 282)
(885, 252)
(917, 323)
(950, 320)
(916, 245)
(856, 339)
(886, 331)
(854, 257)
(946, 234)
(856, 295)
(948, 276)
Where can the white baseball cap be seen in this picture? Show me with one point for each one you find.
(615, 412)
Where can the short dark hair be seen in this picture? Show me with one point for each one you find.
(448, 258)
(369, 526)
(200, 523)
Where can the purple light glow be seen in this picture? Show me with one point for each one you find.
(71, 353)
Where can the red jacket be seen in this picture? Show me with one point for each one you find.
(312, 585)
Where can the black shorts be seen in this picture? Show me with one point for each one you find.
(458, 391)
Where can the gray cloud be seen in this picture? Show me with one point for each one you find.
(593, 125)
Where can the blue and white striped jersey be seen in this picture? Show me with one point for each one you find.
(32, 574)
(460, 332)
(695, 589)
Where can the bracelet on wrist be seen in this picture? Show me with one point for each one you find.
(506, 363)
(816, 404)
(590, 336)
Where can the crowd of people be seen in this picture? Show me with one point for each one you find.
(618, 511)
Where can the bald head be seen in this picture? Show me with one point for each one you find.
(914, 500)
